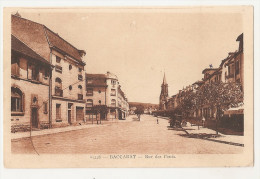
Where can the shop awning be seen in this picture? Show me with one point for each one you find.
(237, 110)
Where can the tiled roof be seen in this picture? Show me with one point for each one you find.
(32, 34)
(97, 80)
(22, 48)
(39, 38)
(56, 41)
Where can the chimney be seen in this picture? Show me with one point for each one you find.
(82, 53)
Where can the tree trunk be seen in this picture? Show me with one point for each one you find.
(217, 118)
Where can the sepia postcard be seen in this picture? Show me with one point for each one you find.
(128, 87)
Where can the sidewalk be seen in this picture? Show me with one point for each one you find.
(19, 135)
(209, 134)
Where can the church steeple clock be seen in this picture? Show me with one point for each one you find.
(164, 94)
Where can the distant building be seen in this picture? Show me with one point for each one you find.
(103, 91)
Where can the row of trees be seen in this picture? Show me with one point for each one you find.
(216, 95)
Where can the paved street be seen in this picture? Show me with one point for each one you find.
(130, 136)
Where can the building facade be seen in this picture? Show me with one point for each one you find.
(62, 85)
(30, 74)
(105, 99)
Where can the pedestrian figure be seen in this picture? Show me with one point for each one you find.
(203, 121)
(157, 121)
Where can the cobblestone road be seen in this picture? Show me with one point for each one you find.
(131, 136)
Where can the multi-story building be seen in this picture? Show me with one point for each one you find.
(65, 80)
(104, 98)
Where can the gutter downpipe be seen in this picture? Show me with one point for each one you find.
(50, 93)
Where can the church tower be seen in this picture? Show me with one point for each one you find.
(164, 94)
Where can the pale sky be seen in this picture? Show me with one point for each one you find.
(138, 47)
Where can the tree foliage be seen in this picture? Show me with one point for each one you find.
(217, 94)
(139, 110)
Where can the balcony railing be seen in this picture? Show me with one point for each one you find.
(80, 77)
(58, 68)
(80, 96)
(58, 92)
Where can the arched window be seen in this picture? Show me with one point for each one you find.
(113, 102)
(80, 92)
(89, 103)
(17, 99)
(58, 83)
(80, 89)
(58, 87)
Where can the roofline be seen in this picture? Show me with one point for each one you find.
(61, 38)
(50, 45)
(206, 69)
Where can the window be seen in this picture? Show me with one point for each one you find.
(80, 95)
(58, 111)
(58, 68)
(45, 107)
(99, 91)
(80, 88)
(35, 72)
(89, 92)
(113, 92)
(16, 100)
(70, 87)
(89, 103)
(15, 68)
(70, 67)
(237, 67)
(58, 87)
(113, 82)
(99, 101)
(80, 69)
(80, 77)
(113, 102)
(58, 59)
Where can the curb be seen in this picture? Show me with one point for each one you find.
(214, 140)
(50, 132)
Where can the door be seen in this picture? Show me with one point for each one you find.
(70, 113)
(69, 116)
(102, 115)
(34, 118)
(79, 113)
(120, 115)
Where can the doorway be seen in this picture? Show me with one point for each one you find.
(34, 118)
(70, 113)
(79, 113)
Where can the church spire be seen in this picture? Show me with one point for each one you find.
(164, 79)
